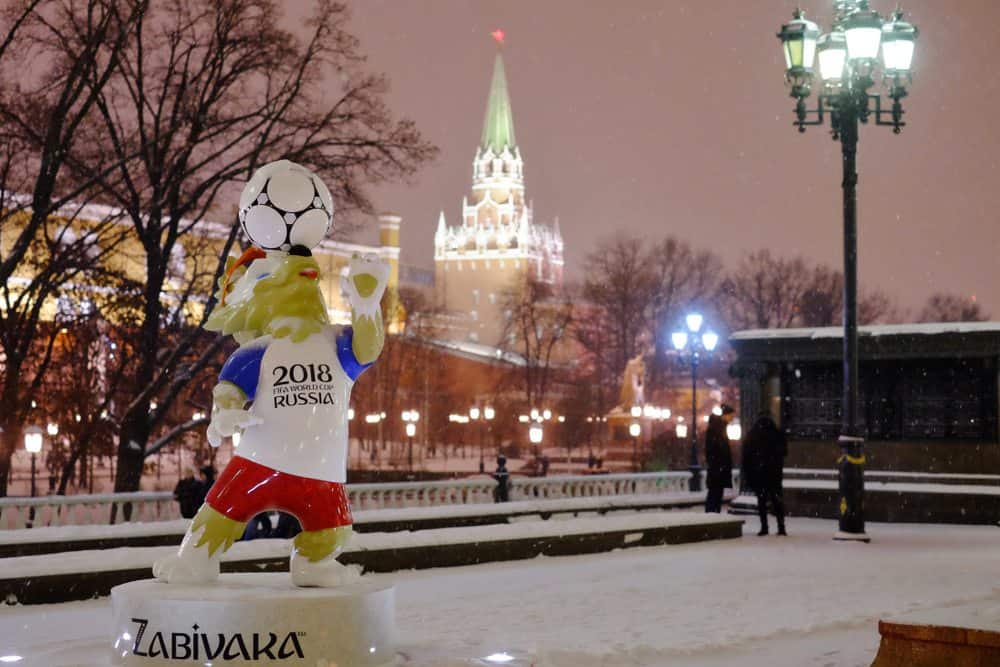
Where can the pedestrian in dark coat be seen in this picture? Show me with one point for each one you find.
(718, 459)
(764, 452)
(188, 494)
(205, 485)
(501, 493)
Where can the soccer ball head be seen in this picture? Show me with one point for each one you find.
(285, 205)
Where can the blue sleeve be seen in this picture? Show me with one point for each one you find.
(345, 354)
(243, 369)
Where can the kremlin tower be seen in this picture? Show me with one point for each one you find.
(496, 243)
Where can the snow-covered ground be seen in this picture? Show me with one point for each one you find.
(801, 601)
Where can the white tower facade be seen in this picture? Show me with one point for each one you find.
(496, 243)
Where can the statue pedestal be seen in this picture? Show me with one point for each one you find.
(257, 618)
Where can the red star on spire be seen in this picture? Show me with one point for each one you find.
(498, 35)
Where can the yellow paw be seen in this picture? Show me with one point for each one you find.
(365, 283)
(220, 530)
(316, 545)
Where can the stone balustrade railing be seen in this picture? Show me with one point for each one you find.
(86, 509)
(480, 489)
(161, 506)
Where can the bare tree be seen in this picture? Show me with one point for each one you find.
(877, 307)
(45, 244)
(619, 285)
(426, 386)
(952, 308)
(764, 291)
(823, 300)
(540, 320)
(408, 376)
(682, 277)
(86, 370)
(634, 294)
(208, 90)
(597, 369)
(822, 303)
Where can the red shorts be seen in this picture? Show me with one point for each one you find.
(246, 488)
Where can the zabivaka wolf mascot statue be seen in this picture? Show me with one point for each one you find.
(287, 387)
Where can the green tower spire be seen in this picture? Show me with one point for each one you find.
(498, 128)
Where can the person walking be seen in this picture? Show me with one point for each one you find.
(764, 452)
(718, 459)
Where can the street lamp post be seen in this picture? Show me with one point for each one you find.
(374, 418)
(848, 56)
(537, 419)
(535, 436)
(33, 444)
(634, 430)
(483, 417)
(474, 414)
(410, 418)
(488, 414)
(692, 343)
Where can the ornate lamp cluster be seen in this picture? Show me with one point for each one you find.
(848, 59)
(410, 418)
(692, 343)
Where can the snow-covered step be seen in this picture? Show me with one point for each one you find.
(743, 504)
(82, 575)
(35, 541)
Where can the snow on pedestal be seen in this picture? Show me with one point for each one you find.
(255, 618)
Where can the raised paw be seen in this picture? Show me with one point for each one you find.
(365, 282)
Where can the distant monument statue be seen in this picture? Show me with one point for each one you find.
(632, 394)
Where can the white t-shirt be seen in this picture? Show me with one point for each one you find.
(302, 395)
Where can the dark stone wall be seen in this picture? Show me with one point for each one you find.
(895, 507)
(932, 456)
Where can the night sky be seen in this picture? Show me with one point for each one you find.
(671, 117)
